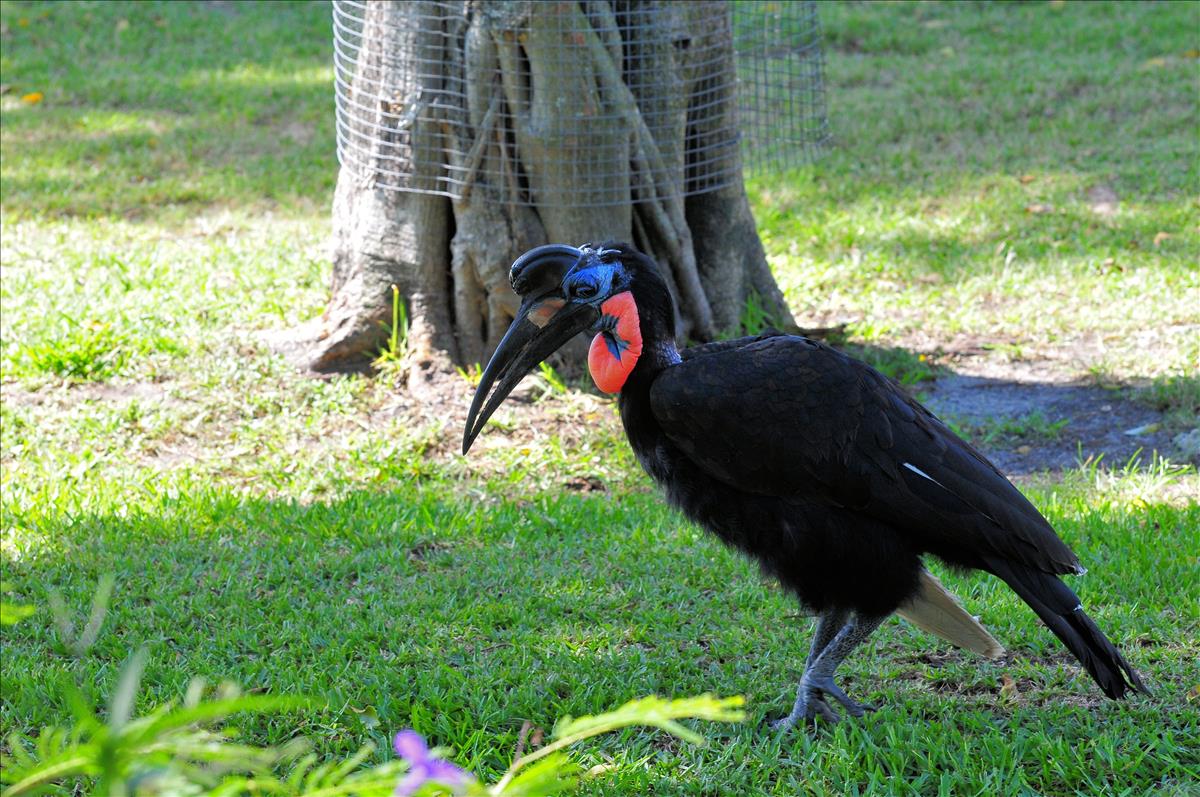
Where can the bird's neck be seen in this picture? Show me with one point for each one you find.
(658, 353)
(657, 325)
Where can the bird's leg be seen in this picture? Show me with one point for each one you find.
(817, 680)
(819, 677)
(828, 624)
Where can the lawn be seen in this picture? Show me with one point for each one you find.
(1019, 179)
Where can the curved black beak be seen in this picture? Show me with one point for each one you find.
(543, 324)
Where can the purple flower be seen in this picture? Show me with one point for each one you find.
(422, 767)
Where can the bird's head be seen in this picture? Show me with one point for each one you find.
(566, 290)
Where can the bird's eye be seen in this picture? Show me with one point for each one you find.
(583, 290)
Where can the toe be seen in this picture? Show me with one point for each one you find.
(810, 709)
(783, 724)
(821, 709)
(828, 687)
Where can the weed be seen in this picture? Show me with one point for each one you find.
(78, 644)
(1135, 484)
(754, 318)
(1177, 396)
(472, 374)
(906, 367)
(991, 431)
(1012, 352)
(396, 348)
(89, 352)
(554, 382)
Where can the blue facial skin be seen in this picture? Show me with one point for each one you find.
(597, 276)
(589, 281)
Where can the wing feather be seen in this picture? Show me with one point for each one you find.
(786, 416)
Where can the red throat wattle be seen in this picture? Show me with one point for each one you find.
(615, 350)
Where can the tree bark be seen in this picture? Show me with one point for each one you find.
(383, 237)
(547, 106)
(732, 264)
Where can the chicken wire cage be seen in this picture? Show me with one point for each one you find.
(616, 100)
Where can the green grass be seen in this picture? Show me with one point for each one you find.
(960, 199)
(1176, 396)
(167, 202)
(898, 363)
(461, 618)
(1032, 426)
(157, 110)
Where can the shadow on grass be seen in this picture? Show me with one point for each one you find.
(954, 232)
(464, 618)
(1026, 428)
(446, 615)
(254, 83)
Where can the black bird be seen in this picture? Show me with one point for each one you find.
(806, 459)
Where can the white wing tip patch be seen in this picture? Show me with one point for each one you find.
(923, 474)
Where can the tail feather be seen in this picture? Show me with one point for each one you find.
(1059, 608)
(936, 610)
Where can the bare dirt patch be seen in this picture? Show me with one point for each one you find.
(981, 390)
(63, 395)
(1091, 422)
(988, 395)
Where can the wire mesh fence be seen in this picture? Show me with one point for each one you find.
(619, 100)
(781, 84)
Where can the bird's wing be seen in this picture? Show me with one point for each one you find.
(718, 346)
(790, 417)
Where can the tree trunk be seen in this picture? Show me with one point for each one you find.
(383, 237)
(733, 267)
(520, 121)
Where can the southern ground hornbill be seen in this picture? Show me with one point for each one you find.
(807, 460)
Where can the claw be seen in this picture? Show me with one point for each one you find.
(817, 682)
(783, 724)
(811, 704)
(808, 716)
(826, 685)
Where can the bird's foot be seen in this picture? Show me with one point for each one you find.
(806, 710)
(811, 704)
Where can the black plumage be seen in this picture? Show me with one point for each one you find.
(826, 473)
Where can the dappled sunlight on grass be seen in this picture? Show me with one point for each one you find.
(1026, 258)
(1023, 172)
(195, 287)
(1113, 488)
(142, 167)
(457, 615)
(1017, 180)
(135, 126)
(281, 82)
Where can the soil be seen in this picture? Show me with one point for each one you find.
(979, 390)
(987, 390)
(976, 389)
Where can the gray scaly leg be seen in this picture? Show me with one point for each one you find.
(818, 677)
(828, 625)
